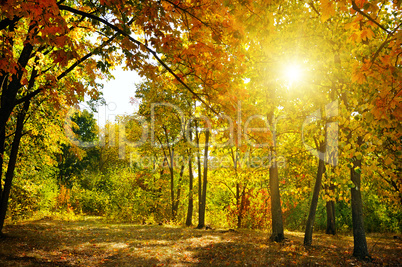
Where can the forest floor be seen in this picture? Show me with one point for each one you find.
(93, 242)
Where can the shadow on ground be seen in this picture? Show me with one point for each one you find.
(96, 243)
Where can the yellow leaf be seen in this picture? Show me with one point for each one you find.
(388, 161)
(327, 10)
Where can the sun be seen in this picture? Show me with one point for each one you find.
(293, 73)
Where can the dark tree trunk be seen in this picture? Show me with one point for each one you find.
(238, 196)
(190, 208)
(197, 135)
(276, 210)
(178, 193)
(330, 206)
(201, 218)
(2, 148)
(239, 215)
(171, 171)
(11, 164)
(321, 147)
(331, 229)
(172, 189)
(8, 96)
(308, 235)
(360, 250)
(241, 202)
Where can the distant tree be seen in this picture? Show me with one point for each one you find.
(74, 159)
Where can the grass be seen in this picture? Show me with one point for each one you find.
(93, 242)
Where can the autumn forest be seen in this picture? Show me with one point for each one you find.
(266, 132)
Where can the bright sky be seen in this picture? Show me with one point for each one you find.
(117, 94)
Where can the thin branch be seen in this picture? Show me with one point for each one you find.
(64, 73)
(379, 50)
(189, 13)
(154, 53)
(90, 54)
(7, 22)
(356, 8)
(311, 4)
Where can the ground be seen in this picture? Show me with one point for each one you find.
(94, 242)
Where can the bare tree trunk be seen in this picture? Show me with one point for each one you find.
(190, 192)
(276, 209)
(360, 244)
(308, 235)
(11, 164)
(201, 218)
(197, 135)
(238, 205)
(178, 193)
(172, 187)
(2, 149)
(331, 229)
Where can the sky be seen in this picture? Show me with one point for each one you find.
(117, 93)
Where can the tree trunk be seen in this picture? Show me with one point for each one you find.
(308, 235)
(331, 229)
(197, 135)
(2, 148)
(201, 218)
(11, 164)
(276, 210)
(330, 206)
(190, 193)
(241, 202)
(238, 205)
(178, 193)
(172, 189)
(360, 250)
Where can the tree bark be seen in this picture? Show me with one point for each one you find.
(2, 149)
(201, 218)
(190, 208)
(172, 187)
(360, 250)
(308, 235)
(178, 193)
(11, 164)
(331, 229)
(197, 135)
(276, 210)
(238, 205)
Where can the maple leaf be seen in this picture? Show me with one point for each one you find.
(327, 9)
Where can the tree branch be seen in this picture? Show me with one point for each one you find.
(356, 8)
(64, 73)
(189, 13)
(154, 53)
(7, 22)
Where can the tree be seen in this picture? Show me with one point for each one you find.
(202, 191)
(190, 207)
(46, 45)
(74, 158)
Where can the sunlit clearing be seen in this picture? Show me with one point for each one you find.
(293, 73)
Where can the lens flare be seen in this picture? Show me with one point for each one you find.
(293, 73)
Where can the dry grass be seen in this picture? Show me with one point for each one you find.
(95, 243)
